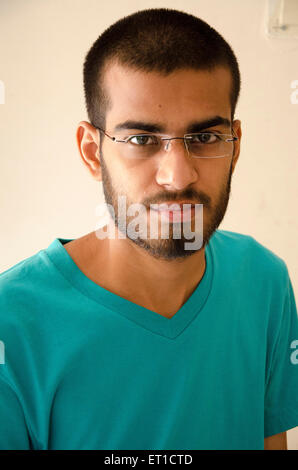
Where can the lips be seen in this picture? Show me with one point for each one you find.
(165, 206)
(182, 214)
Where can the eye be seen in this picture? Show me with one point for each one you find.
(142, 140)
(204, 138)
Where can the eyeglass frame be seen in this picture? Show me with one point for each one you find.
(167, 137)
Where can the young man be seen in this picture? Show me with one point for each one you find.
(138, 342)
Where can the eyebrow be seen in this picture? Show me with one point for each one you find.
(195, 126)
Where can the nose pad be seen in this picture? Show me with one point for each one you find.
(168, 144)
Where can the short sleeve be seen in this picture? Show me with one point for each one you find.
(281, 394)
(13, 430)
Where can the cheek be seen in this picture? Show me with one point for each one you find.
(213, 178)
(139, 178)
(214, 172)
(127, 180)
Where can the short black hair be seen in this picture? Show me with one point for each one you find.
(155, 39)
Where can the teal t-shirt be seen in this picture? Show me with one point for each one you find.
(84, 368)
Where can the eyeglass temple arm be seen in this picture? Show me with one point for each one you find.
(105, 133)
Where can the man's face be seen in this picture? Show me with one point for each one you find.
(173, 103)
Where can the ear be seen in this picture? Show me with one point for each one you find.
(88, 145)
(236, 126)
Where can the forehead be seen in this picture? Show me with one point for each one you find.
(174, 99)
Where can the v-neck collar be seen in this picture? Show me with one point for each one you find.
(168, 327)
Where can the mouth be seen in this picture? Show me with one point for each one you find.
(175, 204)
(175, 211)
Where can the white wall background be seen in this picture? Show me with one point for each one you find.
(46, 192)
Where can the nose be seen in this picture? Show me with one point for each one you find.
(176, 168)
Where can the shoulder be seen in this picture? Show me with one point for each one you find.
(249, 255)
(20, 273)
(20, 288)
(18, 298)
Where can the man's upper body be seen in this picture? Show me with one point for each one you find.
(142, 343)
(86, 368)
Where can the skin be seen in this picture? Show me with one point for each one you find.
(276, 442)
(173, 101)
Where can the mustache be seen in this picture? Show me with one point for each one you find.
(189, 195)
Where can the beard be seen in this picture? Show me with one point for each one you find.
(170, 248)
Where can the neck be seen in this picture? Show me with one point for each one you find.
(130, 271)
